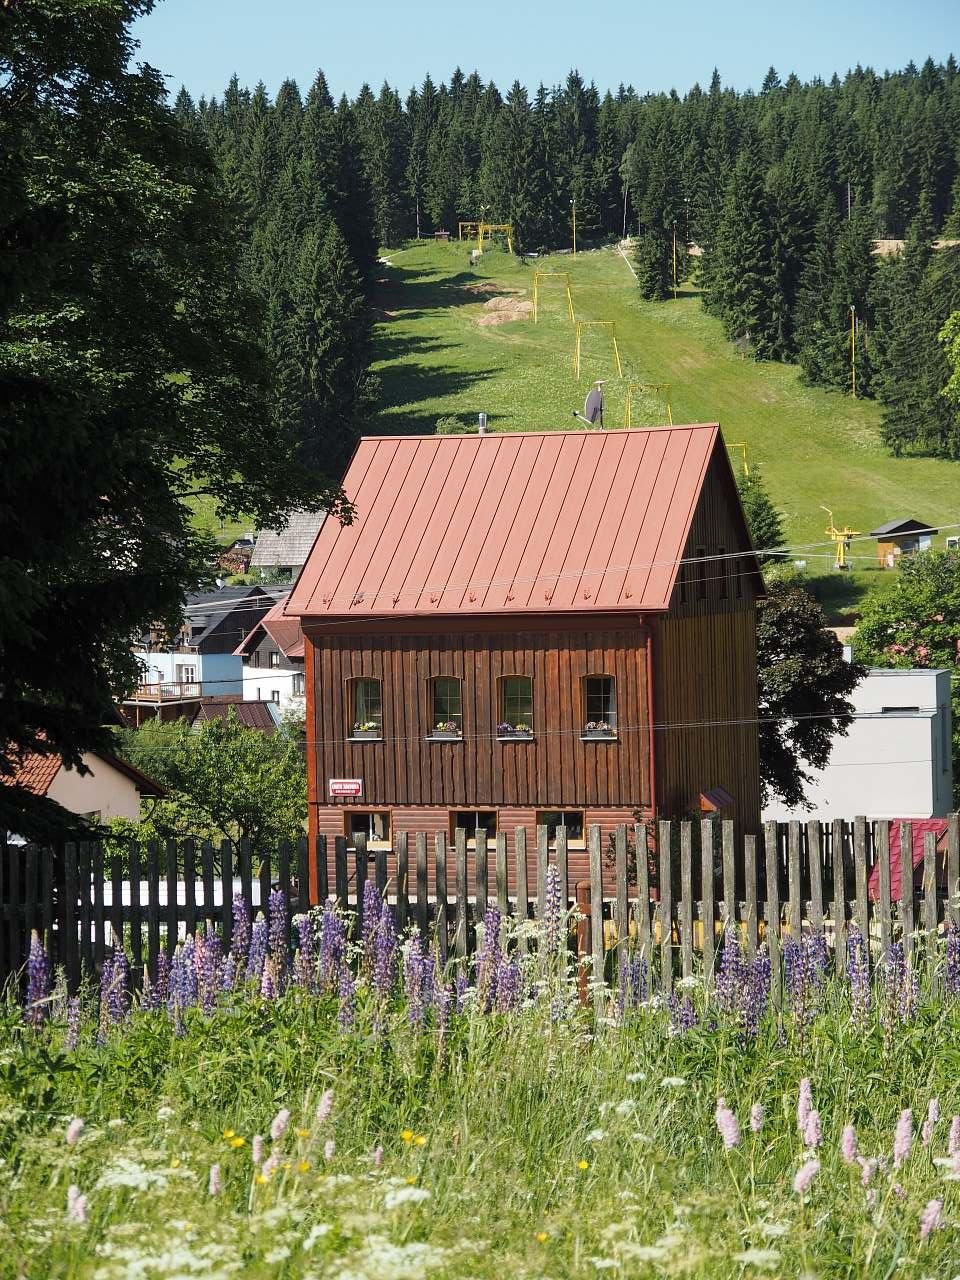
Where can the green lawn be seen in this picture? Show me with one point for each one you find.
(815, 447)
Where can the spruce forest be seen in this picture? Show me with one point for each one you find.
(783, 193)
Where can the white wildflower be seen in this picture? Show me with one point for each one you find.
(165, 1113)
(405, 1195)
(636, 1076)
(276, 1256)
(673, 1082)
(316, 1232)
(764, 1258)
(596, 1135)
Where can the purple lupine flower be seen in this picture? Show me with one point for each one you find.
(895, 983)
(277, 910)
(39, 982)
(370, 919)
(931, 1218)
(554, 909)
(813, 1131)
(305, 961)
(488, 963)
(333, 948)
(804, 974)
(278, 1126)
(416, 981)
(114, 987)
(324, 1106)
(161, 980)
(903, 1138)
(384, 953)
(268, 979)
(189, 977)
(683, 1016)
(952, 975)
(953, 1141)
(257, 951)
(240, 938)
(805, 1176)
(848, 1144)
(931, 1121)
(509, 986)
(210, 973)
(72, 1038)
(182, 983)
(462, 986)
(756, 992)
(858, 973)
(757, 1117)
(804, 1105)
(228, 972)
(623, 985)
(348, 1000)
(638, 979)
(727, 1125)
(731, 974)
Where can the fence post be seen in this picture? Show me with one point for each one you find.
(795, 908)
(153, 906)
(771, 909)
(136, 917)
(360, 865)
(729, 876)
(596, 901)
(226, 887)
(666, 910)
(423, 908)
(341, 883)
(403, 880)
(953, 868)
(707, 904)
(460, 855)
(443, 924)
(480, 866)
(172, 926)
(503, 896)
(190, 884)
(860, 871)
(563, 871)
(838, 856)
(523, 900)
(584, 944)
(71, 950)
(750, 892)
(906, 888)
(815, 860)
(643, 896)
(930, 904)
(686, 899)
(543, 847)
(623, 906)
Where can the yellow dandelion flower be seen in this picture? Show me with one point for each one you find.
(583, 1164)
(419, 1140)
(542, 1237)
(411, 1180)
(262, 1179)
(303, 1133)
(228, 1133)
(174, 1163)
(406, 1135)
(238, 1141)
(303, 1166)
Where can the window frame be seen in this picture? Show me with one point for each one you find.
(580, 843)
(350, 814)
(433, 719)
(502, 717)
(298, 684)
(613, 720)
(472, 839)
(353, 733)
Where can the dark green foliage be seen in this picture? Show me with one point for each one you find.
(839, 274)
(804, 683)
(763, 518)
(653, 261)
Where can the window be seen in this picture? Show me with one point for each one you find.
(516, 702)
(375, 826)
(446, 704)
(472, 821)
(298, 684)
(274, 658)
(600, 703)
(366, 705)
(186, 673)
(572, 819)
(275, 696)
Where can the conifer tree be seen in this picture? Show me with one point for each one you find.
(763, 519)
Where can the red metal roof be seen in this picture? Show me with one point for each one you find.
(520, 522)
(283, 631)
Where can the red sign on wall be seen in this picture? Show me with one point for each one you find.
(346, 787)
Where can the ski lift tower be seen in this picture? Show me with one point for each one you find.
(842, 538)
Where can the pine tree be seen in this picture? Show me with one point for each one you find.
(838, 275)
(763, 519)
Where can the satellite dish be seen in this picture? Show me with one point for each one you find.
(592, 407)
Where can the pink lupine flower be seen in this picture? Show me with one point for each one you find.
(848, 1144)
(953, 1142)
(805, 1176)
(74, 1130)
(215, 1183)
(899, 1191)
(903, 1138)
(378, 1157)
(931, 1218)
(867, 1169)
(257, 1147)
(757, 1115)
(933, 1116)
(279, 1126)
(76, 1204)
(270, 1165)
(804, 1105)
(813, 1131)
(325, 1106)
(727, 1125)
(329, 1149)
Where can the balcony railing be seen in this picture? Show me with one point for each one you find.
(169, 691)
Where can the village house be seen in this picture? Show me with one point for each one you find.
(109, 788)
(272, 656)
(538, 627)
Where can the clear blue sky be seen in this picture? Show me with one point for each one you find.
(200, 43)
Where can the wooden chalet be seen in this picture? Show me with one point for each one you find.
(539, 627)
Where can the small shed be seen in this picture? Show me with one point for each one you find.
(902, 537)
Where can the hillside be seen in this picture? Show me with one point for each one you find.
(816, 447)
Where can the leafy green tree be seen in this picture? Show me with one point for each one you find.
(918, 625)
(763, 519)
(804, 683)
(131, 377)
(225, 781)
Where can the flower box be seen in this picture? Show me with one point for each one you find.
(446, 731)
(514, 733)
(366, 735)
(445, 737)
(597, 732)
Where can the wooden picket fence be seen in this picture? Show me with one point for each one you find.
(673, 902)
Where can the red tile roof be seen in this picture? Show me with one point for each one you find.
(255, 715)
(519, 522)
(35, 773)
(283, 631)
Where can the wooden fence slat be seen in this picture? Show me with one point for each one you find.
(620, 870)
(264, 877)
(283, 880)
(815, 861)
(423, 909)
(246, 874)
(136, 914)
(862, 911)
(7, 963)
(380, 871)
(440, 871)
(46, 897)
(226, 889)
(543, 856)
(707, 900)
(17, 949)
(523, 900)
(360, 863)
(882, 851)
(321, 870)
(503, 896)
(31, 900)
(85, 943)
(70, 953)
(460, 857)
(153, 906)
(93, 865)
(686, 898)
(341, 883)
(666, 910)
(771, 913)
(208, 878)
(750, 892)
(172, 926)
(480, 842)
(116, 901)
(906, 888)
(953, 868)
(838, 860)
(729, 876)
(403, 880)
(189, 887)
(303, 877)
(643, 895)
(594, 848)
(794, 903)
(930, 903)
(563, 864)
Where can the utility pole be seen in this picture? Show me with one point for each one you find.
(848, 199)
(674, 261)
(853, 351)
(624, 236)
(573, 206)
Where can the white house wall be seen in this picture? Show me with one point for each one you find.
(104, 790)
(275, 685)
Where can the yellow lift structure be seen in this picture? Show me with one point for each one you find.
(610, 326)
(842, 538)
(486, 228)
(467, 230)
(657, 388)
(742, 446)
(539, 277)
